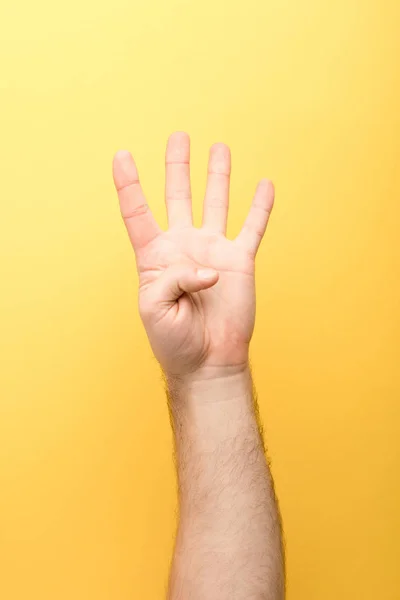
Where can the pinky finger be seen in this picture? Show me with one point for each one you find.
(256, 221)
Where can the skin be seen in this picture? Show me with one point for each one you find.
(197, 303)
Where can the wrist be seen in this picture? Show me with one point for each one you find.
(212, 405)
(208, 376)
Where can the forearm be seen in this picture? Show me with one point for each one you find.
(229, 538)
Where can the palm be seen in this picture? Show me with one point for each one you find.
(217, 321)
(199, 325)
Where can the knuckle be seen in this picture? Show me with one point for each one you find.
(139, 210)
(179, 195)
(126, 186)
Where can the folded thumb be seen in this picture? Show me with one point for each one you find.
(175, 281)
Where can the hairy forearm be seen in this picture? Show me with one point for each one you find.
(229, 537)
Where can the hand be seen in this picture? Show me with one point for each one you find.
(196, 287)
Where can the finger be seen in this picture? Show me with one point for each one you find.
(173, 283)
(256, 221)
(140, 223)
(178, 195)
(215, 210)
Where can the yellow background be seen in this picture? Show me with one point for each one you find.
(307, 93)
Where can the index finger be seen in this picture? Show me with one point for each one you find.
(139, 221)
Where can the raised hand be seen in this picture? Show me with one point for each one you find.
(196, 287)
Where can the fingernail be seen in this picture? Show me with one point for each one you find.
(206, 273)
